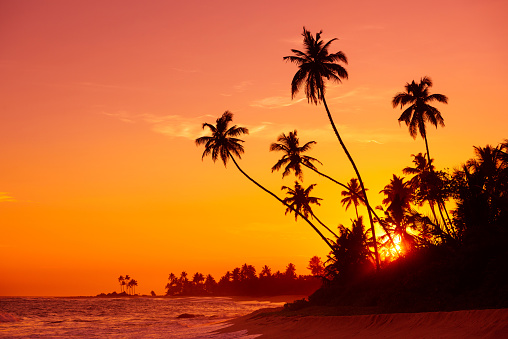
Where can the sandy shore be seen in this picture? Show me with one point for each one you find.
(459, 324)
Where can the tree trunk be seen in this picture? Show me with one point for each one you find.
(359, 179)
(320, 222)
(366, 205)
(282, 202)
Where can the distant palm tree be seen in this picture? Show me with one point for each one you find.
(127, 280)
(224, 143)
(293, 159)
(265, 271)
(353, 195)
(419, 112)
(314, 66)
(120, 280)
(134, 284)
(298, 199)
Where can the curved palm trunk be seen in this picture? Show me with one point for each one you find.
(440, 203)
(321, 223)
(367, 205)
(280, 200)
(359, 179)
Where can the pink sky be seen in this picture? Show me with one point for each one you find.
(100, 102)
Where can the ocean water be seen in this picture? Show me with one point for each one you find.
(122, 317)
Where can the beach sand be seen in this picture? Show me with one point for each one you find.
(270, 323)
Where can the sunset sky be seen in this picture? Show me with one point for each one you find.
(101, 101)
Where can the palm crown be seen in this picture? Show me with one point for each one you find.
(354, 195)
(223, 142)
(292, 158)
(299, 200)
(315, 64)
(419, 112)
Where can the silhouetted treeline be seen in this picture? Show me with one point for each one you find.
(243, 280)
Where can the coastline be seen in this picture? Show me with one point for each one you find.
(272, 323)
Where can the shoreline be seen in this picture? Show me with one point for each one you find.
(272, 323)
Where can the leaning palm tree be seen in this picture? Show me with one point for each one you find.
(293, 159)
(298, 199)
(353, 195)
(314, 66)
(420, 111)
(224, 143)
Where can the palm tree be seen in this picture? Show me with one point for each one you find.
(224, 144)
(265, 271)
(298, 199)
(293, 158)
(314, 66)
(353, 195)
(399, 195)
(419, 112)
(120, 280)
(126, 282)
(427, 186)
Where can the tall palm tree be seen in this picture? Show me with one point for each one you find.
(353, 195)
(120, 280)
(314, 66)
(224, 143)
(293, 159)
(298, 199)
(420, 111)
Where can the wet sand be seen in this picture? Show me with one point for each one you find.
(270, 323)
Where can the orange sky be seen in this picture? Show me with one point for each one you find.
(101, 101)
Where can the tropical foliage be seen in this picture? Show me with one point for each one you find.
(424, 210)
(244, 280)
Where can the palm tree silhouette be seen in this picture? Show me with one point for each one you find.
(299, 200)
(224, 143)
(314, 66)
(120, 280)
(427, 186)
(399, 195)
(419, 112)
(293, 158)
(265, 271)
(353, 195)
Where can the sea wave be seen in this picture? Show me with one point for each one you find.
(6, 317)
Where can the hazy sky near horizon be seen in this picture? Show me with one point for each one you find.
(100, 103)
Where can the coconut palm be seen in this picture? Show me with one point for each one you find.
(314, 66)
(224, 143)
(265, 271)
(427, 185)
(399, 196)
(353, 195)
(293, 159)
(298, 199)
(420, 111)
(121, 280)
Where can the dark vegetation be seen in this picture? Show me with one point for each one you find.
(244, 281)
(441, 241)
